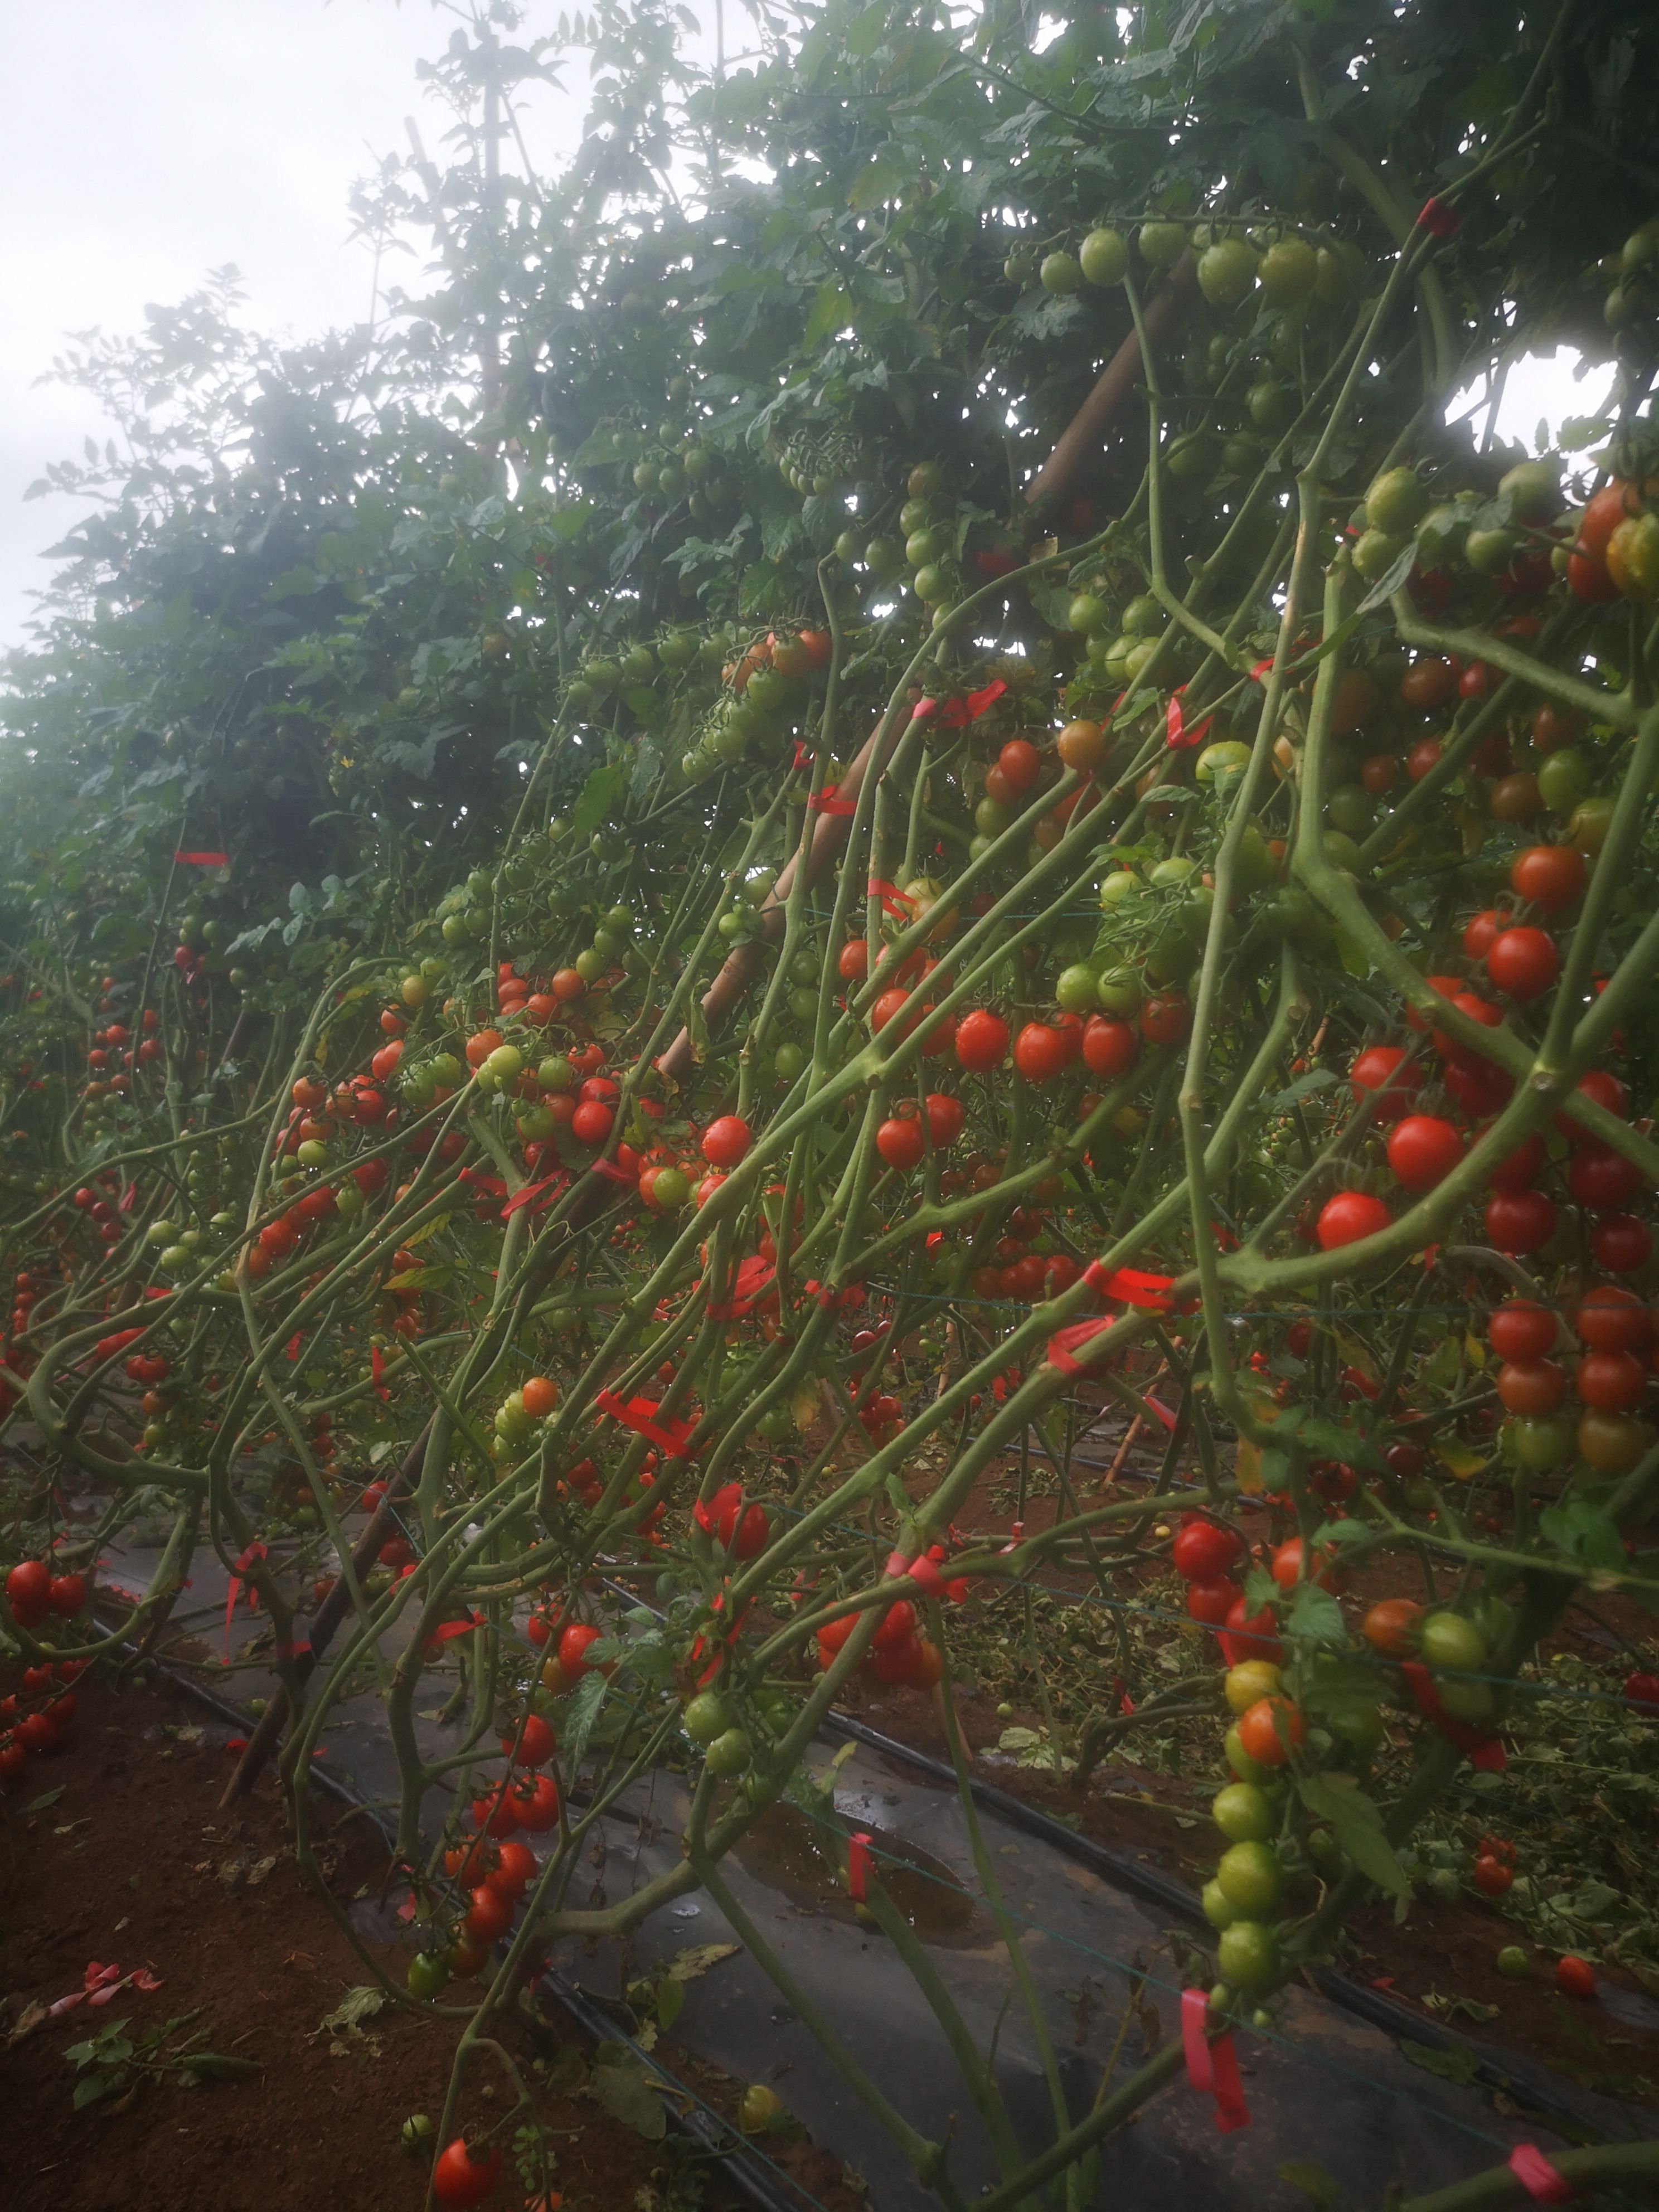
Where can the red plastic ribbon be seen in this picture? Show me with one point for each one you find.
(803, 758)
(203, 859)
(376, 1369)
(1163, 1413)
(1212, 2068)
(1177, 736)
(893, 900)
(749, 1291)
(955, 711)
(639, 1415)
(300, 1649)
(1540, 2180)
(1437, 219)
(858, 1864)
(447, 1631)
(486, 1186)
(923, 1571)
(528, 1192)
(1061, 1343)
(1130, 1286)
(1263, 670)
(1484, 1752)
(829, 801)
(253, 1551)
(293, 1352)
(611, 1172)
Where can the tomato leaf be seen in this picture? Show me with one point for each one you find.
(1458, 2064)
(629, 2094)
(1356, 1824)
(589, 1696)
(1312, 2180)
(1585, 1532)
(1316, 1618)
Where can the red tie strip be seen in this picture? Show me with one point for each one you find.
(486, 1186)
(829, 801)
(1177, 736)
(893, 900)
(1064, 1340)
(1130, 1286)
(754, 1276)
(300, 1649)
(669, 1435)
(613, 1171)
(858, 1864)
(203, 859)
(1212, 2068)
(1437, 219)
(957, 712)
(253, 1551)
(1541, 2181)
(530, 1191)
(376, 1369)
(1484, 1752)
(803, 758)
(447, 1631)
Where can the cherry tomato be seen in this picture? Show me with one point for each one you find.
(1211, 1601)
(1620, 1243)
(1428, 682)
(901, 1143)
(1390, 1626)
(1601, 1179)
(1040, 1053)
(945, 1117)
(464, 2176)
(1549, 877)
(1423, 1150)
(1532, 1388)
(1270, 1729)
(1523, 962)
(982, 1041)
(1491, 1876)
(852, 961)
(1348, 1217)
(1519, 1221)
(1521, 1329)
(573, 1648)
(1641, 1689)
(1575, 1977)
(1165, 1018)
(1376, 1074)
(725, 1141)
(1020, 763)
(1612, 1381)
(1108, 1046)
(1203, 1550)
(1612, 1319)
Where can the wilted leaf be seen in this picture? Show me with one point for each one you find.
(629, 2095)
(357, 2005)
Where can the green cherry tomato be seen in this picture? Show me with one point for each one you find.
(1243, 1813)
(1449, 1639)
(1246, 1768)
(1218, 1909)
(729, 1753)
(1247, 1955)
(1250, 1877)
(707, 1715)
(428, 1973)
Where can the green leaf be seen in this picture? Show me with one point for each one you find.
(601, 795)
(831, 310)
(671, 2002)
(1319, 2187)
(1356, 1824)
(882, 179)
(585, 1701)
(1458, 2064)
(1584, 1533)
(1317, 1617)
(89, 2090)
(629, 2095)
(46, 1797)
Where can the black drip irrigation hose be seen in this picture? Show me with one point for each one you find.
(1123, 1872)
(683, 2108)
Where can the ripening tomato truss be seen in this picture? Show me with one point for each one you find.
(805, 957)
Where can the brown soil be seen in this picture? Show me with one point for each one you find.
(126, 1858)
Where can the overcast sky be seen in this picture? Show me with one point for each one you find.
(148, 141)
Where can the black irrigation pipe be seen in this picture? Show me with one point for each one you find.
(1153, 1888)
(745, 2172)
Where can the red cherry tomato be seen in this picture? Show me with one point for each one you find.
(1601, 1179)
(1641, 1689)
(464, 2177)
(1531, 1389)
(1575, 1977)
(1211, 1601)
(1423, 1150)
(1040, 1053)
(1521, 1329)
(1203, 1551)
(1348, 1217)
(1612, 1319)
(852, 961)
(1390, 1626)
(725, 1141)
(1376, 1074)
(1108, 1046)
(1519, 1221)
(1491, 1876)
(1549, 877)
(1620, 1243)
(1165, 1018)
(1523, 962)
(573, 1648)
(1612, 1381)
(944, 1116)
(901, 1143)
(1269, 1730)
(1020, 763)
(982, 1041)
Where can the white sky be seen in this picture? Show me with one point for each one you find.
(148, 141)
